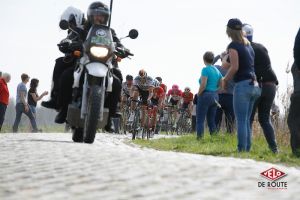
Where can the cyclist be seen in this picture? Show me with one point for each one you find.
(157, 100)
(126, 90)
(174, 95)
(187, 97)
(173, 98)
(143, 87)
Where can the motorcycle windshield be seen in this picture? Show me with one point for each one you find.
(99, 36)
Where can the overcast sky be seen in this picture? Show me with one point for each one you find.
(174, 35)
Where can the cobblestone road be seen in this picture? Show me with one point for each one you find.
(50, 166)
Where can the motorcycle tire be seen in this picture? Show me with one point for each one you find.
(77, 135)
(93, 113)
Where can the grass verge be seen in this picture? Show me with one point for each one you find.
(224, 145)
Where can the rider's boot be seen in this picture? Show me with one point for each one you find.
(109, 126)
(51, 104)
(62, 115)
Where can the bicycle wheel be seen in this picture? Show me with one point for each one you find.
(135, 123)
(179, 127)
(125, 115)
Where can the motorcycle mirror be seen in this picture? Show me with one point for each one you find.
(64, 24)
(133, 33)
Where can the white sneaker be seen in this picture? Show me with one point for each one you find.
(131, 117)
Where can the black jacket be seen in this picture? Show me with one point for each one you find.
(262, 64)
(297, 50)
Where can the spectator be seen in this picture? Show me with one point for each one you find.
(246, 89)
(225, 98)
(294, 114)
(210, 82)
(267, 80)
(33, 96)
(22, 106)
(4, 96)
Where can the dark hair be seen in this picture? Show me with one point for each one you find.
(24, 77)
(34, 83)
(208, 57)
(129, 77)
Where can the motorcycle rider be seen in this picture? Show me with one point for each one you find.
(98, 13)
(67, 62)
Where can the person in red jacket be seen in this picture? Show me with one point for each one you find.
(4, 96)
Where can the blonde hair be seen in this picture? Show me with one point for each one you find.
(237, 36)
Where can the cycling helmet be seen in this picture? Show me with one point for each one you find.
(175, 87)
(187, 89)
(129, 78)
(98, 8)
(159, 79)
(142, 73)
(156, 83)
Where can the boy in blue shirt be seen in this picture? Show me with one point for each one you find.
(210, 82)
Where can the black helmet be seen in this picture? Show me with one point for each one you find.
(98, 8)
(129, 77)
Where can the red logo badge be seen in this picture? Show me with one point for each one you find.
(273, 174)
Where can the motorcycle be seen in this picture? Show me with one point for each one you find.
(87, 113)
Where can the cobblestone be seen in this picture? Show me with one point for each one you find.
(51, 166)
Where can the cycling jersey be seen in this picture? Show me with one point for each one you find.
(158, 92)
(126, 89)
(175, 94)
(187, 97)
(143, 83)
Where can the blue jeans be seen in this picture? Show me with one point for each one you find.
(19, 110)
(244, 97)
(33, 109)
(264, 104)
(226, 102)
(206, 106)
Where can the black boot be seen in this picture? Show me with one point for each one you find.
(61, 116)
(109, 126)
(51, 104)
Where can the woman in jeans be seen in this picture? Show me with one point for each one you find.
(246, 89)
(33, 97)
(210, 82)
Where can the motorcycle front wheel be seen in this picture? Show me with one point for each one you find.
(93, 113)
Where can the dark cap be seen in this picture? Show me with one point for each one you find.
(235, 24)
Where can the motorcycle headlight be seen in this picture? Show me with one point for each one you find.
(99, 52)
